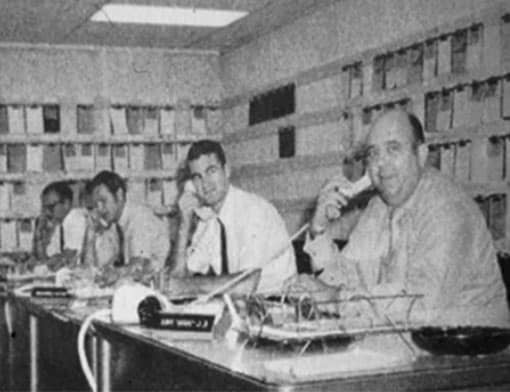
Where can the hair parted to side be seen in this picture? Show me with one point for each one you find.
(206, 147)
(111, 180)
(61, 188)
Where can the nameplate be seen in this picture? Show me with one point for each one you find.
(49, 292)
(183, 322)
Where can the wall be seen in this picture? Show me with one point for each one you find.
(311, 51)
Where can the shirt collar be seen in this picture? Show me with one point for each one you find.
(123, 220)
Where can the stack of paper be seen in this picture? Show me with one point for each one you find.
(463, 161)
(5, 197)
(3, 158)
(432, 101)
(401, 68)
(434, 156)
(497, 215)
(25, 234)
(135, 120)
(496, 158)
(183, 122)
(474, 47)
(118, 120)
(368, 76)
(214, 120)
(34, 157)
(476, 103)
(4, 120)
(8, 234)
(151, 124)
(168, 157)
(479, 160)
(378, 78)
(198, 121)
(448, 159)
(430, 60)
(505, 105)
(492, 101)
(182, 151)
(356, 80)
(444, 116)
(459, 51)
(492, 44)
(51, 118)
(19, 200)
(390, 71)
(136, 157)
(415, 67)
(16, 116)
(120, 158)
(103, 157)
(16, 158)
(460, 106)
(85, 114)
(154, 192)
(152, 159)
(71, 163)
(167, 121)
(86, 157)
(35, 125)
(444, 55)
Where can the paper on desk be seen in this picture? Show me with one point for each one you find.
(357, 360)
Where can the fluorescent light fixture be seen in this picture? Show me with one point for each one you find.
(170, 16)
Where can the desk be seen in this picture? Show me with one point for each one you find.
(134, 358)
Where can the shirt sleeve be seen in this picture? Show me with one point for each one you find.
(75, 225)
(150, 240)
(266, 244)
(444, 253)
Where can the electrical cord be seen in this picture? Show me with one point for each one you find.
(85, 366)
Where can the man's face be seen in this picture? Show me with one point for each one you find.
(211, 180)
(108, 205)
(54, 208)
(393, 163)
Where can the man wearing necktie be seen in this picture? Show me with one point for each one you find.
(144, 240)
(225, 230)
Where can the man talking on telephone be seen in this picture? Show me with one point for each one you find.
(421, 233)
(225, 230)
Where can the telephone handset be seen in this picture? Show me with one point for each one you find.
(357, 187)
(189, 187)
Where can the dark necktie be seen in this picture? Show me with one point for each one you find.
(120, 234)
(223, 247)
(62, 239)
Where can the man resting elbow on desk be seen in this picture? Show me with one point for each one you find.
(225, 230)
(144, 240)
(420, 234)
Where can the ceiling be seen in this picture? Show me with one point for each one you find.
(67, 22)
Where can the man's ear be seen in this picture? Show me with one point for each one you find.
(227, 170)
(120, 196)
(423, 151)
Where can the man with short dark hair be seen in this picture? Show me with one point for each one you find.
(420, 234)
(236, 230)
(144, 238)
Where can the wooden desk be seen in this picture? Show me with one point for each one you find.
(137, 358)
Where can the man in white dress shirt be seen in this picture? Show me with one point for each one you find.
(235, 230)
(144, 237)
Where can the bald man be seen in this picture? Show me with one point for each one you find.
(420, 233)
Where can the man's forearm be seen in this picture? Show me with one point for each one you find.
(183, 236)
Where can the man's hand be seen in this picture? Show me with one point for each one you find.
(323, 295)
(332, 197)
(187, 203)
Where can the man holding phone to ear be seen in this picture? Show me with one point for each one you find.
(420, 234)
(235, 230)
